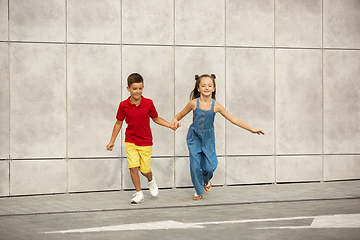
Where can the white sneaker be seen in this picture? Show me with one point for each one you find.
(138, 197)
(153, 188)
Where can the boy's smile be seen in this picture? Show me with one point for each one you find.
(135, 90)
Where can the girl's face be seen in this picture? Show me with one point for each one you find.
(136, 90)
(206, 86)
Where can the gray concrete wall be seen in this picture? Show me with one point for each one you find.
(288, 67)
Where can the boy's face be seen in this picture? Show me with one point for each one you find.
(135, 90)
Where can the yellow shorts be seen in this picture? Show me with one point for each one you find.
(139, 156)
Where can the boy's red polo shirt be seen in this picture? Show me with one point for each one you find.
(137, 118)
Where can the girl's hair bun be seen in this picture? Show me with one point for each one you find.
(213, 76)
(196, 77)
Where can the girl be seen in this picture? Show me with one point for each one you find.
(201, 136)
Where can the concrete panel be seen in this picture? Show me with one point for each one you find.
(94, 174)
(37, 177)
(341, 24)
(37, 20)
(3, 20)
(189, 62)
(183, 176)
(155, 64)
(200, 22)
(220, 173)
(150, 22)
(245, 170)
(250, 23)
(162, 169)
(4, 178)
(250, 97)
(298, 101)
(298, 168)
(94, 93)
(341, 167)
(182, 172)
(37, 101)
(4, 100)
(94, 21)
(341, 101)
(298, 23)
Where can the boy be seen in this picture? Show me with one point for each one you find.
(137, 111)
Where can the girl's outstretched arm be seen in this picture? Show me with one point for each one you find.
(235, 120)
(190, 106)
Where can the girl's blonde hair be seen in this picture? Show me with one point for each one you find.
(195, 93)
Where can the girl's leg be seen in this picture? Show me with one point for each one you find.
(135, 178)
(208, 167)
(196, 175)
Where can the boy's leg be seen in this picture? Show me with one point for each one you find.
(151, 183)
(138, 197)
(145, 153)
(135, 178)
(133, 165)
(148, 176)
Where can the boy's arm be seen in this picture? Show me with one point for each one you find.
(116, 130)
(163, 122)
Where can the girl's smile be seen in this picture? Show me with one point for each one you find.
(206, 86)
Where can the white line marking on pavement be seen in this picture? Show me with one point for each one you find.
(327, 221)
(254, 220)
(135, 226)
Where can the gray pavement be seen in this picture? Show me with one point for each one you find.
(326, 210)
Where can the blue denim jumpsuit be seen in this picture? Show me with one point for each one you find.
(201, 143)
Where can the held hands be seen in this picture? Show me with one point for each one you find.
(172, 126)
(175, 124)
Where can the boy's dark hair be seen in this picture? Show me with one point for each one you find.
(195, 93)
(134, 78)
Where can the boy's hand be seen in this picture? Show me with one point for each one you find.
(175, 124)
(172, 127)
(110, 146)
